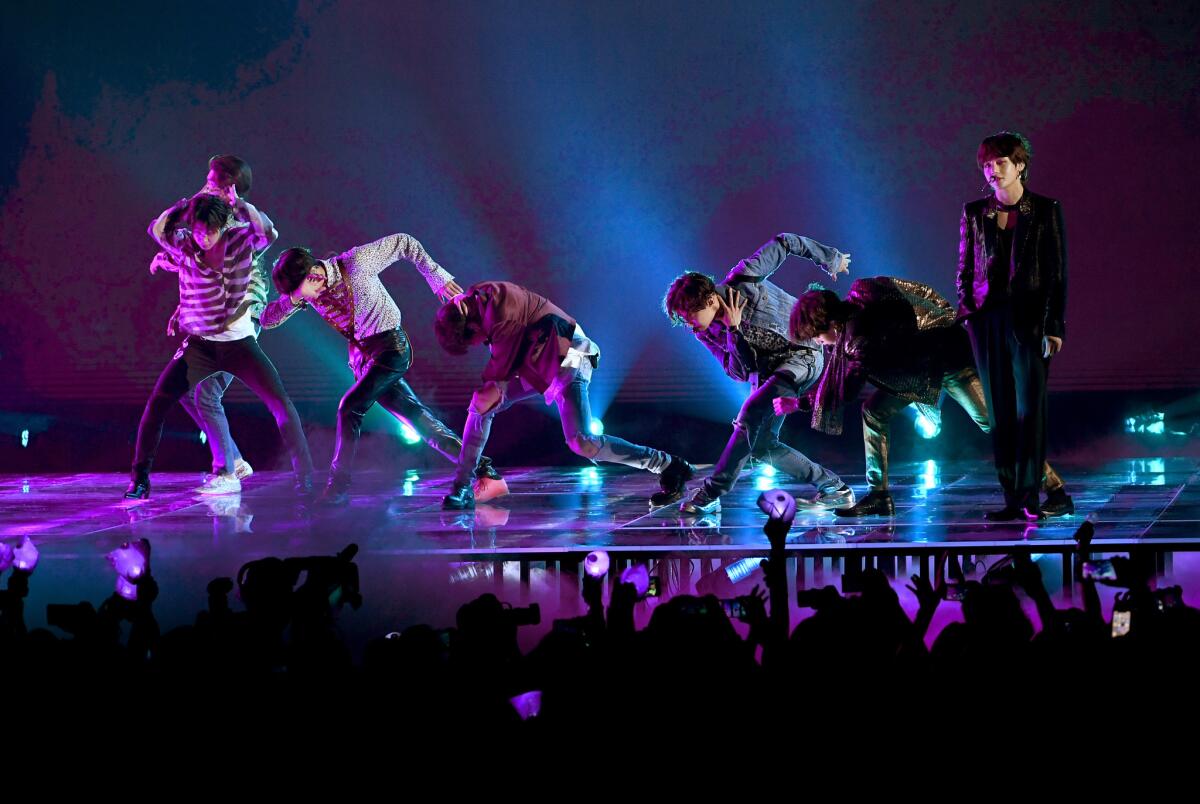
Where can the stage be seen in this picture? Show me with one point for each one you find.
(419, 563)
(561, 513)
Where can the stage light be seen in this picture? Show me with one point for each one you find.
(596, 427)
(409, 435)
(743, 569)
(764, 478)
(24, 438)
(926, 427)
(596, 563)
(467, 571)
(929, 477)
(1153, 423)
(1148, 472)
(203, 437)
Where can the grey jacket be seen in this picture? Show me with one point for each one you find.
(761, 346)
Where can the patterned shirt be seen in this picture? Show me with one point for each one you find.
(354, 301)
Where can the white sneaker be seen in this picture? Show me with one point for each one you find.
(220, 484)
(831, 498)
(242, 470)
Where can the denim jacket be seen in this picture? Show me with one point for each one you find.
(742, 352)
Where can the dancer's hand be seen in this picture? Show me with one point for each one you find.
(731, 311)
(228, 194)
(1051, 345)
(843, 267)
(460, 301)
(449, 291)
(785, 405)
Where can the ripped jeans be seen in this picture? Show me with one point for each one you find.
(756, 432)
(575, 412)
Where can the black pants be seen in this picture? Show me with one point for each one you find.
(964, 387)
(389, 356)
(402, 402)
(1014, 375)
(198, 359)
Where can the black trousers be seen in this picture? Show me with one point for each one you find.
(1014, 375)
(390, 356)
(198, 359)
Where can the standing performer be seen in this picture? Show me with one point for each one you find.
(216, 255)
(900, 336)
(230, 178)
(1012, 293)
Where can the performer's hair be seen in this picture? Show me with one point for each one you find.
(291, 268)
(232, 170)
(214, 212)
(687, 294)
(815, 312)
(1012, 144)
(455, 331)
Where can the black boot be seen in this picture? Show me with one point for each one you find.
(1058, 503)
(486, 469)
(139, 488)
(336, 494)
(1027, 509)
(1006, 514)
(878, 502)
(304, 488)
(460, 498)
(673, 482)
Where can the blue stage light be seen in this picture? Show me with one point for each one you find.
(927, 428)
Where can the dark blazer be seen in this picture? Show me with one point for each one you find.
(1037, 275)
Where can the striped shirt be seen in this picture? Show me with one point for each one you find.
(210, 298)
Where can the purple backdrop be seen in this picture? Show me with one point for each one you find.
(592, 152)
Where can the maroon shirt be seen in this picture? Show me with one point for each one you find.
(518, 333)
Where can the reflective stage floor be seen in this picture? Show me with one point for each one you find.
(418, 563)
